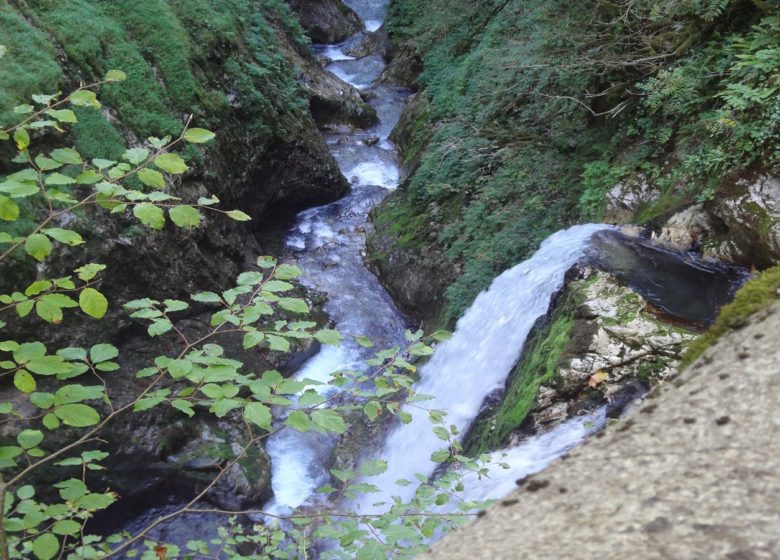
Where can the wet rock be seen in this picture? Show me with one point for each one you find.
(214, 446)
(685, 230)
(371, 141)
(404, 67)
(623, 345)
(624, 199)
(369, 43)
(326, 21)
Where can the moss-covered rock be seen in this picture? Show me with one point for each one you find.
(600, 340)
(326, 21)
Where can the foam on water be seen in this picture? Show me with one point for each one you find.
(486, 344)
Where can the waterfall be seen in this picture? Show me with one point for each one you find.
(486, 344)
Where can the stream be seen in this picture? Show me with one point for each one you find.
(328, 243)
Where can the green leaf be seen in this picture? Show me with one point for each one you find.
(171, 163)
(59, 179)
(252, 339)
(89, 271)
(66, 236)
(88, 177)
(63, 115)
(198, 135)
(207, 297)
(184, 406)
(152, 178)
(24, 381)
(115, 76)
(287, 272)
(23, 309)
(238, 216)
(93, 303)
(49, 312)
(442, 335)
(67, 155)
(25, 492)
(102, 353)
(103, 163)
(294, 305)
(9, 210)
(172, 305)
(329, 420)
(372, 410)
(258, 414)
(75, 393)
(77, 415)
(51, 421)
(249, 278)
(179, 368)
(66, 527)
(149, 215)
(298, 420)
(19, 189)
(277, 286)
(136, 155)
(159, 327)
(184, 216)
(38, 246)
(29, 438)
(22, 138)
(328, 336)
(46, 546)
(278, 343)
(84, 98)
(47, 164)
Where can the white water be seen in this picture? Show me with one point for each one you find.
(486, 344)
(530, 457)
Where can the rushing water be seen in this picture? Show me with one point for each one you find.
(486, 344)
(328, 242)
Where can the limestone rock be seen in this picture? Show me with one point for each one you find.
(624, 199)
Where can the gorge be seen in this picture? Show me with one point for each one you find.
(399, 168)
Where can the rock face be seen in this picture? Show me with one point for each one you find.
(665, 482)
(602, 345)
(741, 223)
(326, 21)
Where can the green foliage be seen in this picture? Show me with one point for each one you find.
(62, 401)
(537, 109)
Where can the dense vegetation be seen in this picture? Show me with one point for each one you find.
(535, 109)
(174, 54)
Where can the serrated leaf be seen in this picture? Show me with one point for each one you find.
(372, 410)
(278, 343)
(46, 546)
(328, 336)
(171, 163)
(149, 215)
(69, 237)
(238, 216)
(184, 216)
(59, 179)
(159, 327)
(152, 178)
(63, 115)
(298, 420)
(38, 246)
(19, 189)
(294, 305)
(66, 155)
(77, 415)
(184, 406)
(93, 303)
(89, 271)
(258, 414)
(22, 138)
(29, 438)
(115, 76)
(9, 212)
(49, 312)
(84, 98)
(252, 339)
(136, 155)
(198, 135)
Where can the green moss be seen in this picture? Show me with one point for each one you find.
(539, 364)
(755, 295)
(30, 65)
(95, 136)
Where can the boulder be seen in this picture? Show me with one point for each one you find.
(326, 21)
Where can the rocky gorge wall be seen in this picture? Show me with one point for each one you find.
(242, 69)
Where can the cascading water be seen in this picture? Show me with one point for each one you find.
(486, 344)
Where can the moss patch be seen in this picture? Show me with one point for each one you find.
(539, 364)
